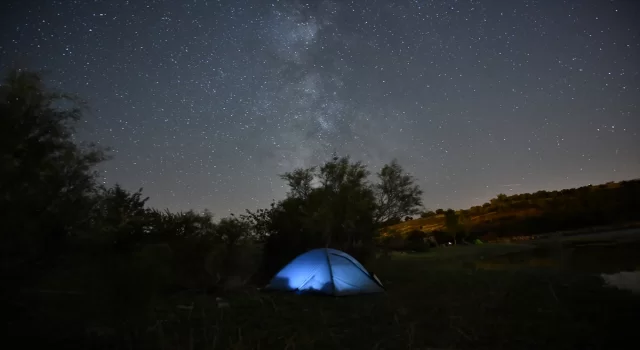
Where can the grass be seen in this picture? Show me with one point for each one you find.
(465, 253)
(433, 300)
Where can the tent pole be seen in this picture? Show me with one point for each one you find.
(333, 284)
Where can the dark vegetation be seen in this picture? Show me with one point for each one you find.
(54, 211)
(89, 266)
(611, 204)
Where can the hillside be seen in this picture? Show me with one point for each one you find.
(540, 212)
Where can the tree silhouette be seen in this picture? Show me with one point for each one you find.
(428, 214)
(397, 195)
(119, 217)
(452, 224)
(299, 182)
(342, 211)
(47, 179)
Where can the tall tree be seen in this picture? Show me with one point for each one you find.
(465, 224)
(337, 212)
(452, 223)
(299, 182)
(397, 194)
(46, 178)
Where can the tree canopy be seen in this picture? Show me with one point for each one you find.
(397, 194)
(342, 210)
(46, 178)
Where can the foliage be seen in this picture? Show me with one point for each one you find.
(333, 205)
(413, 241)
(50, 189)
(191, 237)
(507, 307)
(452, 223)
(46, 178)
(542, 212)
(391, 240)
(441, 237)
(119, 217)
(546, 211)
(236, 248)
(232, 231)
(427, 214)
(167, 226)
(299, 182)
(397, 195)
(338, 212)
(131, 255)
(390, 222)
(417, 241)
(465, 225)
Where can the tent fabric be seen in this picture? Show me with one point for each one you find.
(325, 271)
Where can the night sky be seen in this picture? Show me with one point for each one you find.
(205, 102)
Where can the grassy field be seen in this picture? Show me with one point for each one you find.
(439, 299)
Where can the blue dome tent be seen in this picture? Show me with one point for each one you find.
(325, 271)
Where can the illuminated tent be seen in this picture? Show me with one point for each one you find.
(325, 271)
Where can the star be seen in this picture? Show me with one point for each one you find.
(205, 103)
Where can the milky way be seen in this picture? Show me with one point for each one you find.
(204, 103)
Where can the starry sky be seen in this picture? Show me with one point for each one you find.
(204, 103)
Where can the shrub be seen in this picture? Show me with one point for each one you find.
(416, 240)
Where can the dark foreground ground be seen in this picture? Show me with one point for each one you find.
(453, 298)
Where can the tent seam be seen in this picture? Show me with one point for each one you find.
(358, 267)
(333, 283)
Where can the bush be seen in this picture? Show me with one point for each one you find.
(393, 241)
(156, 261)
(416, 240)
(428, 214)
(441, 237)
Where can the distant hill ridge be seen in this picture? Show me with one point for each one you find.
(541, 211)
